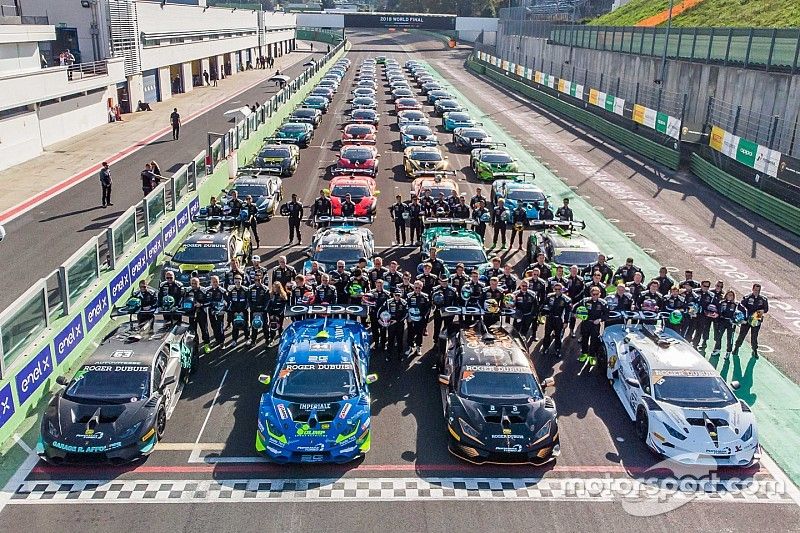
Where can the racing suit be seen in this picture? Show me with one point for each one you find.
(620, 302)
(636, 289)
(626, 272)
(415, 211)
(460, 211)
(392, 279)
(500, 222)
(539, 288)
(654, 297)
(429, 282)
(442, 297)
(198, 316)
(545, 272)
(604, 269)
(751, 304)
(519, 217)
(396, 211)
(283, 274)
(526, 308)
(227, 279)
(590, 331)
(420, 303)
(149, 299)
(295, 210)
(480, 224)
(508, 282)
(664, 284)
(257, 300)
(575, 292)
(702, 322)
(556, 308)
(252, 221)
(375, 274)
(238, 304)
(348, 208)
(723, 325)
(675, 303)
(218, 296)
(398, 311)
(379, 333)
(494, 294)
(689, 322)
(457, 281)
(276, 308)
(340, 280)
(321, 207)
(174, 289)
(325, 293)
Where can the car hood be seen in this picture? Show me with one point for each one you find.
(313, 426)
(506, 425)
(183, 271)
(707, 430)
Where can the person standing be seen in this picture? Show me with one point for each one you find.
(294, 211)
(399, 214)
(148, 179)
(214, 76)
(105, 184)
(175, 120)
(755, 306)
(564, 212)
(500, 217)
(206, 77)
(252, 218)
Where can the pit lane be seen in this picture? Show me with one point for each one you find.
(208, 454)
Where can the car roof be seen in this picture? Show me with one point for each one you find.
(352, 180)
(307, 346)
(671, 354)
(412, 149)
(202, 236)
(425, 182)
(358, 146)
(485, 151)
(498, 349)
(342, 233)
(254, 181)
(576, 241)
(462, 239)
(120, 348)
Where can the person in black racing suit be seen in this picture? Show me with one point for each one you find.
(591, 327)
(556, 308)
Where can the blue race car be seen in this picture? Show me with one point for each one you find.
(413, 135)
(457, 119)
(317, 409)
(515, 191)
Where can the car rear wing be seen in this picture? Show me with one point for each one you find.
(357, 120)
(278, 140)
(492, 144)
(447, 221)
(516, 176)
(356, 142)
(330, 220)
(471, 310)
(561, 225)
(250, 171)
(431, 172)
(326, 310)
(352, 171)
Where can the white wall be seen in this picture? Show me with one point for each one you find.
(320, 20)
(67, 118)
(19, 139)
(19, 57)
(70, 14)
(476, 24)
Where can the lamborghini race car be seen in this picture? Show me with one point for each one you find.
(485, 162)
(681, 407)
(306, 114)
(561, 245)
(428, 86)
(401, 92)
(438, 94)
(362, 192)
(359, 133)
(417, 136)
(457, 119)
(364, 92)
(300, 133)
(412, 116)
(403, 104)
(355, 158)
(439, 183)
(447, 105)
(421, 159)
(495, 408)
(515, 192)
(325, 92)
(279, 159)
(267, 192)
(364, 102)
(346, 243)
(208, 254)
(467, 139)
(455, 243)
(317, 102)
(317, 408)
(369, 116)
(115, 409)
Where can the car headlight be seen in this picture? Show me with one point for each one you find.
(543, 431)
(275, 432)
(53, 430)
(748, 434)
(131, 431)
(674, 432)
(468, 430)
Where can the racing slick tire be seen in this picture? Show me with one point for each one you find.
(161, 423)
(642, 424)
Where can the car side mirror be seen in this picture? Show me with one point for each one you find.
(62, 380)
(632, 382)
(735, 385)
(548, 382)
(609, 257)
(264, 379)
(444, 379)
(169, 380)
(168, 254)
(372, 378)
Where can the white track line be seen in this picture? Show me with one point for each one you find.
(211, 407)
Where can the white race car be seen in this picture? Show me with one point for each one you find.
(682, 407)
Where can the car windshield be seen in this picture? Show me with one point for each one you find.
(575, 257)
(448, 103)
(496, 158)
(402, 92)
(436, 189)
(525, 195)
(358, 154)
(363, 91)
(331, 254)
(407, 101)
(275, 152)
(355, 191)
(359, 130)
(252, 190)
(462, 255)
(315, 100)
(458, 117)
(474, 134)
(423, 131)
(201, 253)
(503, 383)
(110, 383)
(426, 156)
(294, 127)
(320, 383)
(413, 115)
(693, 391)
(363, 115)
(363, 101)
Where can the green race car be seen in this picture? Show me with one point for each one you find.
(487, 162)
(455, 243)
(562, 245)
(300, 133)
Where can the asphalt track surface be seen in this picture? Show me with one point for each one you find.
(206, 475)
(39, 240)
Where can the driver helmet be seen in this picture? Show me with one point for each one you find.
(440, 211)
(491, 306)
(258, 321)
(187, 303)
(676, 317)
(406, 215)
(414, 314)
(438, 298)
(694, 309)
(355, 289)
(238, 320)
(368, 299)
(218, 308)
(307, 298)
(133, 305)
(168, 302)
(582, 312)
(485, 217)
(711, 311)
(738, 317)
(466, 292)
(508, 301)
(649, 305)
(384, 319)
(243, 216)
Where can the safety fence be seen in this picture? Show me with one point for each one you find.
(55, 321)
(324, 35)
(765, 49)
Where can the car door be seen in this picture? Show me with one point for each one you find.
(641, 374)
(171, 355)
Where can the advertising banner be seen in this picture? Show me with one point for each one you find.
(6, 405)
(399, 20)
(33, 376)
(746, 152)
(68, 339)
(660, 122)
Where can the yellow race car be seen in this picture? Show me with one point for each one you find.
(423, 160)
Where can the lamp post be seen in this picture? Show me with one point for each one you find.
(661, 77)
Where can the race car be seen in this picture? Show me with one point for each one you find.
(467, 139)
(317, 408)
(402, 92)
(411, 63)
(306, 114)
(362, 192)
(367, 84)
(208, 254)
(301, 133)
(421, 159)
(364, 92)
(380, 59)
(438, 183)
(486, 162)
(457, 119)
(561, 245)
(348, 243)
(325, 92)
(267, 192)
(447, 105)
(412, 116)
(438, 94)
(355, 158)
(316, 102)
(364, 102)
(116, 407)
(681, 407)
(329, 81)
(369, 116)
(495, 408)
(429, 86)
(402, 104)
(359, 133)
(517, 191)
(413, 135)
(455, 243)
(400, 84)
(277, 158)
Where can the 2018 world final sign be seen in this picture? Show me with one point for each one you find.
(399, 20)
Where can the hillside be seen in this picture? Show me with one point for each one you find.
(716, 13)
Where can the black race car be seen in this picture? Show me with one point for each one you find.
(278, 156)
(306, 114)
(495, 409)
(115, 408)
(369, 116)
(467, 139)
(267, 192)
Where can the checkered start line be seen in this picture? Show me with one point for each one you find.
(382, 489)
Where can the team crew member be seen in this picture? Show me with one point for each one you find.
(443, 296)
(415, 211)
(340, 279)
(495, 270)
(252, 212)
(478, 199)
(427, 202)
(324, 292)
(393, 277)
(234, 270)
(539, 288)
(545, 272)
(575, 289)
(105, 184)
(706, 300)
(174, 290)
(283, 273)
(299, 294)
(419, 305)
(348, 207)
(406, 287)
(258, 298)
(481, 216)
(495, 293)
(378, 272)
(398, 312)
(518, 218)
(175, 121)
(428, 280)
(197, 316)
(294, 213)
(438, 267)
(149, 301)
(149, 179)
(235, 205)
(322, 206)
(556, 308)
(458, 280)
(564, 212)
(558, 277)
(545, 213)
(500, 216)
(626, 272)
(621, 300)
(652, 296)
(378, 298)
(238, 306)
(399, 214)
(217, 298)
(724, 324)
(526, 309)
(461, 209)
(256, 268)
(597, 313)
(441, 207)
(756, 307)
(276, 308)
(606, 274)
(689, 281)
(508, 280)
(665, 282)
(358, 285)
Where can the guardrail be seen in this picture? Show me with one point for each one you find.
(769, 48)
(55, 321)
(79, 71)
